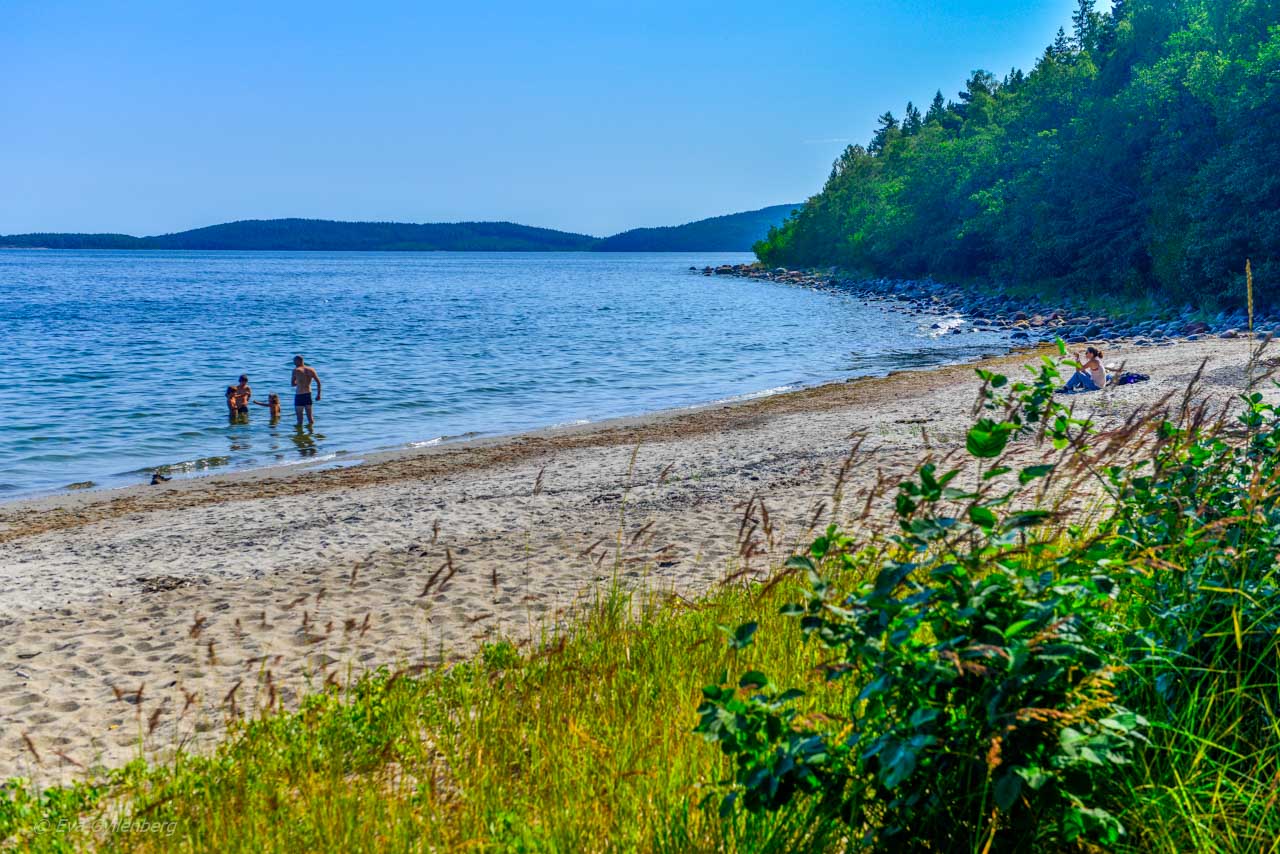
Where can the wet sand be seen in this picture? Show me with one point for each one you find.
(136, 620)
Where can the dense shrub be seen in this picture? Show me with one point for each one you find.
(1008, 663)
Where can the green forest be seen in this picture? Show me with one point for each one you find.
(1140, 156)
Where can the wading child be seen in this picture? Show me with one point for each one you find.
(273, 401)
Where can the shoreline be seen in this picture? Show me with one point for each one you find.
(73, 500)
(123, 606)
(1028, 318)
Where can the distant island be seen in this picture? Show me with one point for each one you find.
(732, 233)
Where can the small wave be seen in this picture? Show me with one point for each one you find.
(471, 434)
(184, 467)
(943, 326)
(755, 395)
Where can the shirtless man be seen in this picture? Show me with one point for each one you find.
(303, 374)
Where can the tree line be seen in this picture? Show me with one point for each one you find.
(1140, 155)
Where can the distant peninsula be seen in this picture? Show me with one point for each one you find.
(732, 233)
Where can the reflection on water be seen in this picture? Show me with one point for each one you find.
(304, 439)
(269, 439)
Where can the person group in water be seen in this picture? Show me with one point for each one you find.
(240, 396)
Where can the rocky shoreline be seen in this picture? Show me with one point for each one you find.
(1026, 320)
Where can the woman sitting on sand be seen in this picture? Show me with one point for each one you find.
(1092, 375)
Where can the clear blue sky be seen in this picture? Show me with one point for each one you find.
(151, 117)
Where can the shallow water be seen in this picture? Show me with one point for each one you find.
(113, 364)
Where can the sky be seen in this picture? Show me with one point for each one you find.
(155, 117)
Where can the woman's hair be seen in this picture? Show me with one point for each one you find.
(1095, 351)
(231, 390)
(273, 397)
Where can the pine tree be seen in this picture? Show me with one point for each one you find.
(937, 109)
(1085, 23)
(888, 125)
(913, 121)
(1061, 49)
(1110, 24)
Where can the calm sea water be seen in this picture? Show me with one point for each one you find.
(114, 364)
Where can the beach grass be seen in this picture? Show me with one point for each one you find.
(586, 743)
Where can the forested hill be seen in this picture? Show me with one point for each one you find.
(1141, 153)
(319, 234)
(731, 233)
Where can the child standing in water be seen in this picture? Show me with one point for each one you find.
(273, 402)
(233, 401)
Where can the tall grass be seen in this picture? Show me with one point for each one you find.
(584, 744)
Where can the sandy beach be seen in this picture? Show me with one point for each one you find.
(136, 620)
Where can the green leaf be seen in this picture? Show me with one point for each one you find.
(922, 716)
(1034, 776)
(988, 439)
(1017, 627)
(1027, 519)
(753, 679)
(953, 494)
(897, 763)
(983, 517)
(1030, 473)
(1007, 789)
(995, 472)
(799, 562)
(742, 636)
